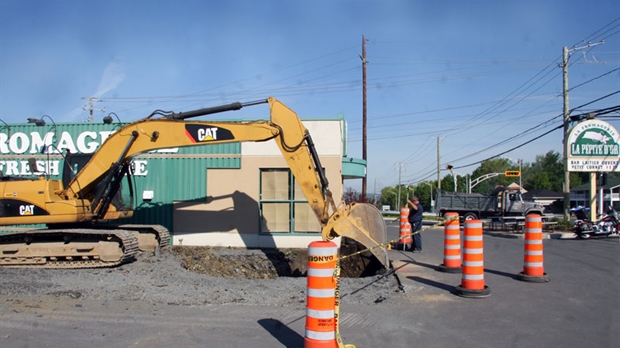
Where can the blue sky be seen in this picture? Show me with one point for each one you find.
(482, 76)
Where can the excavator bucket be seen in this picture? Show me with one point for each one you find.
(363, 223)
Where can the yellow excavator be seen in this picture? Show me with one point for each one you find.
(74, 208)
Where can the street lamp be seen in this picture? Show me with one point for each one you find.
(432, 203)
(6, 125)
(450, 167)
(108, 119)
(40, 122)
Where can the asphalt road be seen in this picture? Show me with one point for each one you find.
(579, 307)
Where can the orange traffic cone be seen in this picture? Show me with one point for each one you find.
(321, 295)
(472, 281)
(452, 245)
(533, 269)
(405, 235)
(405, 229)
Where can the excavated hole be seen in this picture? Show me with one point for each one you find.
(270, 263)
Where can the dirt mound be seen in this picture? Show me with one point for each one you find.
(270, 263)
(242, 263)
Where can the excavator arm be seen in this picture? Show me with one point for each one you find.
(361, 222)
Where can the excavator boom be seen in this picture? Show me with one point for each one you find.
(361, 222)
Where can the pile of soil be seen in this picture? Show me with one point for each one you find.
(270, 263)
(243, 263)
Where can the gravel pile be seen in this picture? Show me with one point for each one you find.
(193, 277)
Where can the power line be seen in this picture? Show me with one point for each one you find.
(514, 148)
(608, 110)
(605, 111)
(486, 112)
(506, 99)
(595, 100)
(526, 86)
(593, 79)
(596, 35)
(589, 81)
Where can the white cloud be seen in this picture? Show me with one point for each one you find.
(113, 75)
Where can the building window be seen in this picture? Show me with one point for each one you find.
(284, 208)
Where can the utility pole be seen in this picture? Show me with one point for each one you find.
(398, 201)
(450, 167)
(438, 166)
(432, 203)
(374, 194)
(566, 113)
(520, 175)
(438, 197)
(91, 108)
(364, 155)
(565, 55)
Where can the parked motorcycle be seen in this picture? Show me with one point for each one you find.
(608, 224)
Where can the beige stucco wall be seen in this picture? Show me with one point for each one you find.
(230, 216)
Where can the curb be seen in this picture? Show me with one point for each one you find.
(546, 235)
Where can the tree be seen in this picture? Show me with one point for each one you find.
(547, 172)
(423, 191)
(447, 183)
(540, 180)
(389, 196)
(579, 178)
(351, 196)
(495, 165)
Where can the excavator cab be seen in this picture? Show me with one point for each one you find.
(74, 162)
(105, 193)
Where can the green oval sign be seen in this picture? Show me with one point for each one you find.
(593, 146)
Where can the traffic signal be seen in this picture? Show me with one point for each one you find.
(512, 173)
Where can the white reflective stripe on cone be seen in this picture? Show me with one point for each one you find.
(533, 252)
(473, 276)
(473, 263)
(473, 238)
(320, 336)
(533, 264)
(321, 293)
(472, 251)
(314, 313)
(320, 272)
(322, 251)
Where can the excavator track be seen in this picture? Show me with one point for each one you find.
(59, 248)
(149, 236)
